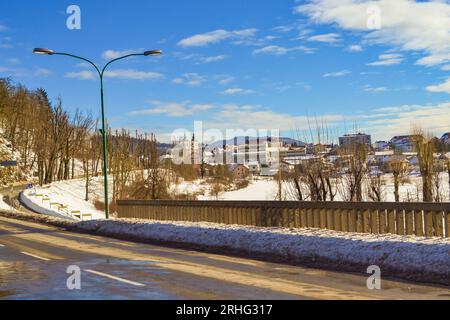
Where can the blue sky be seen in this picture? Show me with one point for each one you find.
(241, 64)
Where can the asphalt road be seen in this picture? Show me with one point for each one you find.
(34, 259)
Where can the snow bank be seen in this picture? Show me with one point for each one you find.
(4, 205)
(407, 257)
(45, 201)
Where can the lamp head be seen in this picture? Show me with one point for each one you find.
(152, 52)
(43, 51)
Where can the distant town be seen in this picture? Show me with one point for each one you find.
(247, 156)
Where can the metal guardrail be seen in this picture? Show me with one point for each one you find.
(420, 219)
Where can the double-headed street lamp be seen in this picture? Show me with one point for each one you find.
(101, 74)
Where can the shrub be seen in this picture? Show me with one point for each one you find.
(100, 205)
(241, 184)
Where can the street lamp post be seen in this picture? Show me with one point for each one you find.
(101, 73)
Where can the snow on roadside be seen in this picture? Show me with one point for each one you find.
(45, 200)
(4, 205)
(407, 257)
(431, 255)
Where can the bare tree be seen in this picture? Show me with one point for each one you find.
(122, 162)
(398, 167)
(355, 170)
(448, 175)
(375, 190)
(425, 155)
(438, 169)
(155, 185)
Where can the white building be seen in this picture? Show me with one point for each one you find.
(380, 145)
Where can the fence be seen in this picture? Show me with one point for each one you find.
(420, 219)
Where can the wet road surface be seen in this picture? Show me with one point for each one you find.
(34, 259)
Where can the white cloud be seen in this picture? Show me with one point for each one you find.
(371, 89)
(41, 72)
(405, 24)
(24, 73)
(388, 59)
(82, 75)
(200, 59)
(114, 54)
(328, 37)
(204, 39)
(235, 91)
(84, 65)
(133, 74)
(279, 51)
(172, 109)
(341, 73)
(442, 87)
(117, 73)
(14, 61)
(382, 123)
(3, 28)
(271, 38)
(387, 122)
(190, 79)
(354, 48)
(283, 29)
(275, 50)
(5, 43)
(213, 58)
(244, 117)
(224, 79)
(303, 32)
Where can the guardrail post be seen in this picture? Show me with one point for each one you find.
(352, 218)
(447, 224)
(400, 222)
(429, 232)
(309, 218)
(303, 218)
(366, 221)
(382, 217)
(322, 219)
(337, 221)
(244, 215)
(345, 214)
(438, 223)
(293, 217)
(359, 221)
(418, 223)
(316, 218)
(409, 222)
(374, 222)
(330, 219)
(391, 222)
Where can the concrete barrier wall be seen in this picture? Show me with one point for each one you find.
(420, 219)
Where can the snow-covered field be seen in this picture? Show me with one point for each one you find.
(414, 258)
(266, 189)
(190, 188)
(261, 190)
